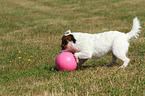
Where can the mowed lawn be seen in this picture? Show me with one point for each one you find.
(30, 38)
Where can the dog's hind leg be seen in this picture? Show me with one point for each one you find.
(120, 49)
(126, 61)
(121, 54)
(114, 60)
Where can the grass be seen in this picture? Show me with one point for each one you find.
(30, 34)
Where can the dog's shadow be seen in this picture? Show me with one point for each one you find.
(83, 67)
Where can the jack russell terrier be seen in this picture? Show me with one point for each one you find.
(86, 46)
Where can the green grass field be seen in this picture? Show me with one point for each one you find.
(30, 38)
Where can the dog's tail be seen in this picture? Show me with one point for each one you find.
(135, 29)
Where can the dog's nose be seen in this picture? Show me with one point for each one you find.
(62, 47)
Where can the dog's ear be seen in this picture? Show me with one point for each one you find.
(72, 38)
(67, 32)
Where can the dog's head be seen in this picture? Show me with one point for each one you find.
(67, 40)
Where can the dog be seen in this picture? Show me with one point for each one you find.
(86, 46)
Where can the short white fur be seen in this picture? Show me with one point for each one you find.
(97, 45)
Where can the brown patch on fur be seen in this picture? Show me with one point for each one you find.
(65, 40)
(66, 37)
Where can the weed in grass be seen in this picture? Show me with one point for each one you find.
(20, 57)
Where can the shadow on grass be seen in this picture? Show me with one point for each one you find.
(83, 67)
(51, 68)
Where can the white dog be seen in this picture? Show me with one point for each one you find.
(86, 46)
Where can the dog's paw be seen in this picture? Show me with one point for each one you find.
(77, 60)
(76, 57)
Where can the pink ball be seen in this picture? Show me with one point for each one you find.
(65, 61)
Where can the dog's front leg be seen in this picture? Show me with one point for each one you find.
(81, 61)
(82, 56)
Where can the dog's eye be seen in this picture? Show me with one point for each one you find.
(65, 42)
